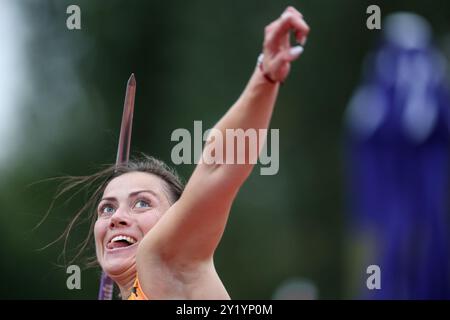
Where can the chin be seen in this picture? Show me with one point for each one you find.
(117, 261)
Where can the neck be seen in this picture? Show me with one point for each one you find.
(125, 280)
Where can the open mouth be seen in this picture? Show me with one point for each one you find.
(121, 241)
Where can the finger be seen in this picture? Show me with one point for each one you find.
(285, 57)
(302, 36)
(302, 33)
(281, 63)
(269, 35)
(294, 11)
(295, 52)
(285, 41)
(283, 25)
(270, 27)
(299, 37)
(290, 10)
(280, 74)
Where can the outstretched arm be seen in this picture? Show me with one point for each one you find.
(191, 229)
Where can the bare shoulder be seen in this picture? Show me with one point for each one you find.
(164, 280)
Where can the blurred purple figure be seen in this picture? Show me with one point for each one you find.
(398, 152)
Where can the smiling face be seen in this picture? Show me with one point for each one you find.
(131, 205)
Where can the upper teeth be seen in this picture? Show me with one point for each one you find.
(126, 238)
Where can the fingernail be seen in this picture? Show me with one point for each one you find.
(295, 51)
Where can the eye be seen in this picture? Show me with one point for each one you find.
(106, 209)
(142, 204)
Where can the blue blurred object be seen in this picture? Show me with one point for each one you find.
(398, 161)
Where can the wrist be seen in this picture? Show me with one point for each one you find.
(265, 73)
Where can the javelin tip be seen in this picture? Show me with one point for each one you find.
(132, 80)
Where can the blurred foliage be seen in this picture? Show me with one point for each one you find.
(191, 59)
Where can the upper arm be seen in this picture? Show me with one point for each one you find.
(191, 229)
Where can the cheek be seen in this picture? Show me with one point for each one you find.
(148, 221)
(99, 231)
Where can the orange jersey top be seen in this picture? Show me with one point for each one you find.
(136, 291)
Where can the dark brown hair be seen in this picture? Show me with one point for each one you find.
(95, 184)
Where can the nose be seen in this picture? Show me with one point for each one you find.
(120, 218)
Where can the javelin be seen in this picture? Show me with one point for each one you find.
(123, 154)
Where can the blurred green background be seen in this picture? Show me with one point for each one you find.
(63, 94)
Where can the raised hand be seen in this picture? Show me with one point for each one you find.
(278, 53)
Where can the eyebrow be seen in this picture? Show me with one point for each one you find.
(132, 194)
